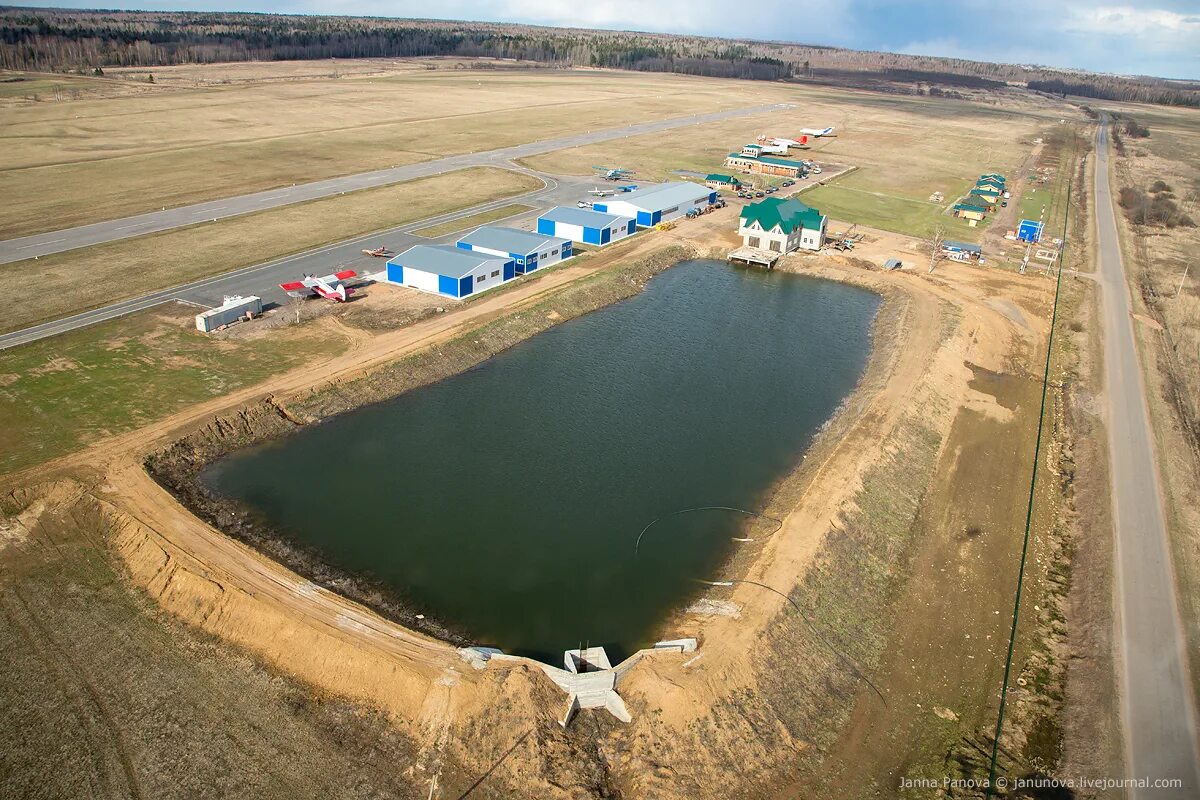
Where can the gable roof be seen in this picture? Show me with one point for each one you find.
(661, 196)
(998, 182)
(787, 213)
(965, 247)
(443, 259)
(970, 207)
(985, 191)
(510, 240)
(584, 217)
(722, 178)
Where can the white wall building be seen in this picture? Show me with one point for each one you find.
(528, 250)
(782, 225)
(655, 204)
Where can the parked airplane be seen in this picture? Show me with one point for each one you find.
(613, 173)
(816, 131)
(379, 252)
(784, 142)
(602, 192)
(330, 286)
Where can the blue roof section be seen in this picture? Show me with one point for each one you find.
(443, 259)
(584, 217)
(510, 240)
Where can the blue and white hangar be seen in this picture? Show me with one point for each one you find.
(661, 203)
(448, 270)
(528, 250)
(586, 227)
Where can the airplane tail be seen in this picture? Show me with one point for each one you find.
(342, 292)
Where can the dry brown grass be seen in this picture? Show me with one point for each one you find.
(77, 280)
(465, 223)
(80, 162)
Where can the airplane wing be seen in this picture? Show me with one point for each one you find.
(294, 286)
(338, 276)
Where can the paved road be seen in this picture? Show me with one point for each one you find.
(264, 279)
(71, 238)
(1157, 703)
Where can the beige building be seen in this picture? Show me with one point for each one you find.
(782, 225)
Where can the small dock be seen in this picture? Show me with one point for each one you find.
(755, 256)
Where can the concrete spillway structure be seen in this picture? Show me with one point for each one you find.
(589, 679)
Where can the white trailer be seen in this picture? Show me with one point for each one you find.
(234, 308)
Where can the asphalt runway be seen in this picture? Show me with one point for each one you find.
(59, 241)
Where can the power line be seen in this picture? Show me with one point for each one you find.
(1037, 448)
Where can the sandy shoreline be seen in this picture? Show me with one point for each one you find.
(924, 331)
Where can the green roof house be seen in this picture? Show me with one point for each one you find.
(717, 181)
(782, 225)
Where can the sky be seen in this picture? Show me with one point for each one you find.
(1145, 37)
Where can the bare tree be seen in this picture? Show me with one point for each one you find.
(935, 242)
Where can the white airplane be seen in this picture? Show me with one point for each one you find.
(602, 192)
(816, 131)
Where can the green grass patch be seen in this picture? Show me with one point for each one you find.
(1034, 200)
(474, 220)
(58, 394)
(887, 212)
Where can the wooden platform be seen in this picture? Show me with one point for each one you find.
(756, 256)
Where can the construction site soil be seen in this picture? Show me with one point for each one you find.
(883, 664)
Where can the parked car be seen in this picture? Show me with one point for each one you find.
(759, 194)
(771, 190)
(583, 204)
(789, 182)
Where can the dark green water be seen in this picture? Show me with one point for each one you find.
(506, 501)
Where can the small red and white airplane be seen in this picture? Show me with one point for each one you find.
(330, 286)
(379, 252)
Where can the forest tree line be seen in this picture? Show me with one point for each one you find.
(61, 40)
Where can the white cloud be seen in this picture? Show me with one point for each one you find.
(1129, 21)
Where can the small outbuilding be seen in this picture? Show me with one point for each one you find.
(661, 203)
(961, 251)
(717, 181)
(971, 211)
(528, 250)
(234, 309)
(585, 226)
(1029, 230)
(448, 270)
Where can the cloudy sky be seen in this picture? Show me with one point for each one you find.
(1150, 37)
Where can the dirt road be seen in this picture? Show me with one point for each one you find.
(1158, 708)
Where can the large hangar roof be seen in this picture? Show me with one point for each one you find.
(510, 240)
(665, 195)
(443, 259)
(583, 217)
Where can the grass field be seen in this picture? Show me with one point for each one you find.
(482, 218)
(80, 162)
(845, 203)
(68, 282)
(58, 394)
(905, 148)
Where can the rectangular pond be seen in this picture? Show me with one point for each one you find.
(506, 501)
